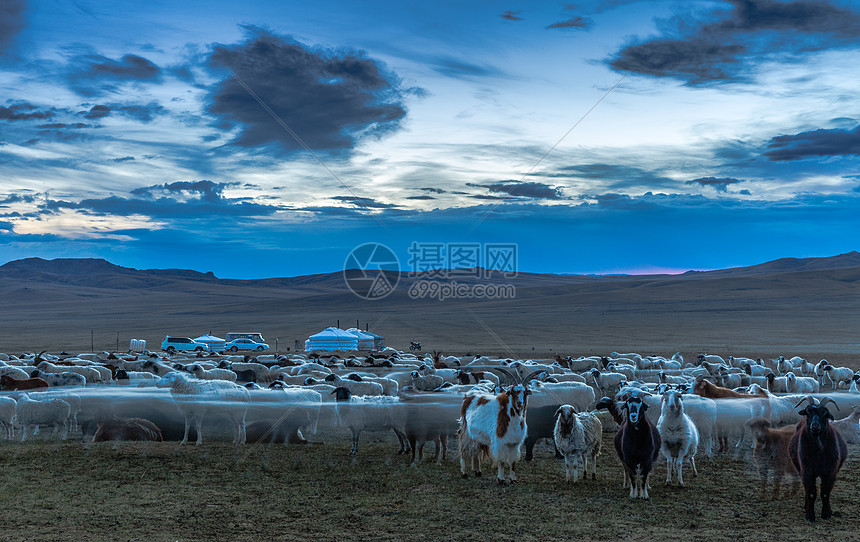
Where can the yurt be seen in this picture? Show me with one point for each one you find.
(378, 340)
(215, 343)
(365, 339)
(330, 339)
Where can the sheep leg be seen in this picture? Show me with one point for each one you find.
(463, 472)
(826, 486)
(500, 473)
(443, 442)
(187, 427)
(567, 468)
(413, 444)
(679, 464)
(593, 465)
(355, 435)
(693, 466)
(530, 446)
(644, 491)
(669, 465)
(199, 427)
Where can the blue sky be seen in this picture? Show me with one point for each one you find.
(270, 138)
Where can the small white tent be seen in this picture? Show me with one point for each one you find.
(378, 340)
(365, 339)
(332, 338)
(215, 343)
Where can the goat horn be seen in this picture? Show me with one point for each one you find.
(534, 374)
(828, 400)
(506, 373)
(809, 398)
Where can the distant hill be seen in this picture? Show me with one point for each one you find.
(786, 306)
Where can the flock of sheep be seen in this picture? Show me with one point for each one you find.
(498, 408)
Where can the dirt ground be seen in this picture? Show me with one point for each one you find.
(163, 492)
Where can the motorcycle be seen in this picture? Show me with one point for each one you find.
(413, 345)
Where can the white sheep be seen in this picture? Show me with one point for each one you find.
(801, 384)
(89, 373)
(32, 414)
(14, 372)
(679, 437)
(195, 398)
(577, 437)
(849, 427)
(837, 375)
(212, 374)
(429, 382)
(60, 379)
(7, 416)
(373, 413)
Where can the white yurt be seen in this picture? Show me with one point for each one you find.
(215, 343)
(365, 339)
(378, 340)
(332, 338)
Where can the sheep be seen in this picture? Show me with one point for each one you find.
(212, 374)
(800, 384)
(430, 418)
(127, 429)
(31, 413)
(753, 369)
(355, 387)
(771, 452)
(637, 444)
(194, 397)
(848, 427)
(607, 382)
(137, 378)
(260, 371)
(14, 372)
(89, 373)
(7, 383)
(679, 438)
(495, 424)
(544, 400)
(60, 379)
(7, 416)
(368, 413)
(429, 382)
(855, 384)
(817, 450)
(578, 438)
(837, 375)
(389, 387)
(777, 384)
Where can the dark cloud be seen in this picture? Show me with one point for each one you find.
(511, 15)
(123, 159)
(720, 185)
(576, 22)
(23, 111)
(18, 198)
(615, 176)
(433, 190)
(424, 197)
(204, 190)
(92, 74)
(63, 126)
(143, 113)
(815, 143)
(728, 49)
(744, 192)
(460, 69)
(11, 22)
(329, 98)
(6, 226)
(368, 203)
(527, 190)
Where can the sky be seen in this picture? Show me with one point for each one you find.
(264, 139)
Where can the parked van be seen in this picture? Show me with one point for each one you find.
(256, 337)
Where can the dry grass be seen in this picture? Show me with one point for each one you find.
(72, 491)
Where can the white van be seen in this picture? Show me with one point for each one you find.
(256, 337)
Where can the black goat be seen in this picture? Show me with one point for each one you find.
(637, 444)
(817, 450)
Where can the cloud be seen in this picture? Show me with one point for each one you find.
(123, 159)
(460, 69)
(92, 74)
(368, 203)
(511, 15)
(815, 143)
(720, 185)
(424, 197)
(329, 98)
(204, 190)
(576, 22)
(23, 111)
(11, 22)
(728, 49)
(63, 126)
(143, 113)
(17, 198)
(533, 190)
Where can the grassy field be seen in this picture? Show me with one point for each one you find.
(161, 491)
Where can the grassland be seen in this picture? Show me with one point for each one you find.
(163, 492)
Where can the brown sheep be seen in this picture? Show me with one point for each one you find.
(127, 429)
(771, 454)
(7, 383)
